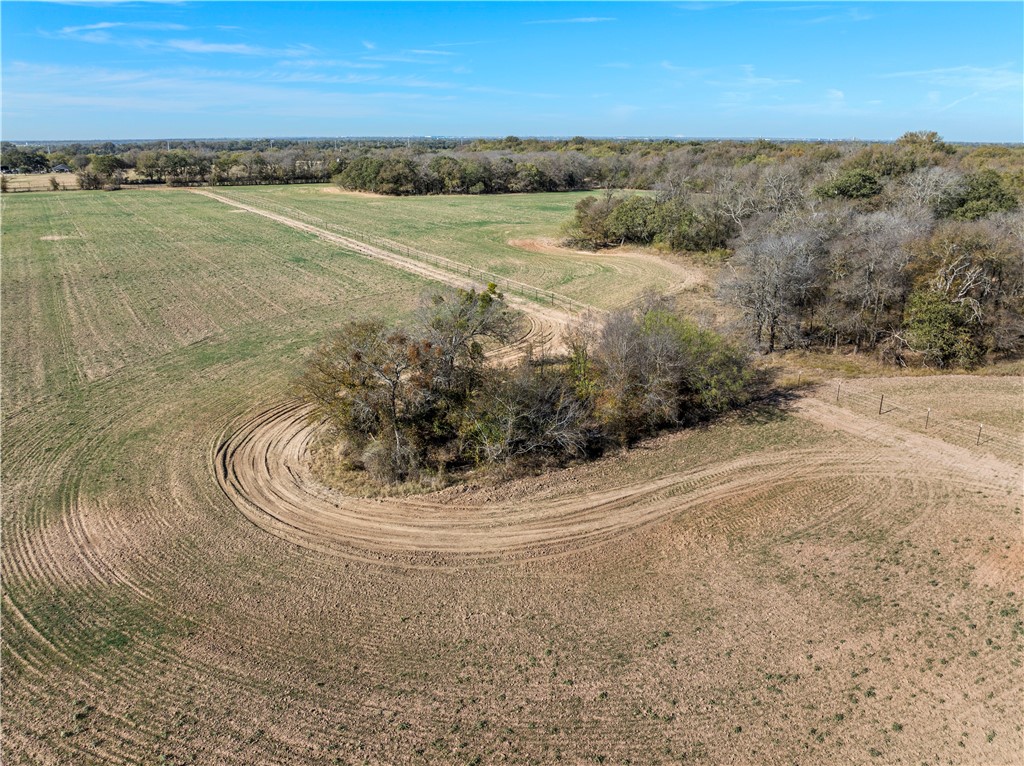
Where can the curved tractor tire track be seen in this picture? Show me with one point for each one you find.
(262, 466)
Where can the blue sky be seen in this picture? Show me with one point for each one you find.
(90, 70)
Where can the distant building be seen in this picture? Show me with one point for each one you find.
(62, 168)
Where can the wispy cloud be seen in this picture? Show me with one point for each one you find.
(1001, 77)
(751, 81)
(851, 15)
(411, 56)
(108, 3)
(579, 20)
(201, 46)
(832, 102)
(369, 46)
(110, 33)
(684, 71)
(198, 91)
(703, 6)
(314, 63)
(460, 45)
(154, 26)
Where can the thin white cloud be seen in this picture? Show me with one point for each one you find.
(1001, 77)
(369, 46)
(237, 49)
(703, 6)
(684, 71)
(578, 20)
(153, 26)
(751, 81)
(312, 63)
(201, 46)
(853, 14)
(108, 3)
(459, 45)
(422, 52)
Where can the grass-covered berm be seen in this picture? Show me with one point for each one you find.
(803, 582)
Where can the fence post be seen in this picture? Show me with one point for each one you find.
(838, 389)
(927, 417)
(880, 401)
(979, 434)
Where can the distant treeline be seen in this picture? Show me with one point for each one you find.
(485, 166)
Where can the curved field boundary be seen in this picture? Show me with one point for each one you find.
(262, 466)
(413, 259)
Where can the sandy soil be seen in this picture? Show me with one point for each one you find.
(629, 263)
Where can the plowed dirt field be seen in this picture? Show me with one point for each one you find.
(811, 583)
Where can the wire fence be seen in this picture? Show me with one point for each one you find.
(928, 420)
(504, 284)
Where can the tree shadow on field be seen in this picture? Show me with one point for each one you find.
(770, 401)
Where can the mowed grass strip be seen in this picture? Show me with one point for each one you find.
(473, 230)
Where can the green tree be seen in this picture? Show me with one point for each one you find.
(633, 220)
(855, 183)
(980, 195)
(941, 330)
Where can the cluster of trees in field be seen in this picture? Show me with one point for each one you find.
(913, 249)
(422, 399)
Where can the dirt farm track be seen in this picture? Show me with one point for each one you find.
(823, 581)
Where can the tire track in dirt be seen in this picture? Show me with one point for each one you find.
(262, 466)
(556, 319)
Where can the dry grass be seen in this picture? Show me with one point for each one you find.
(766, 590)
(36, 182)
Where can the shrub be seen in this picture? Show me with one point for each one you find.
(856, 183)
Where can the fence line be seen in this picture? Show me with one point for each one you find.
(928, 420)
(529, 292)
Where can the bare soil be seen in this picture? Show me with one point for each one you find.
(808, 583)
(631, 264)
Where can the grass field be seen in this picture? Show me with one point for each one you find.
(789, 586)
(477, 231)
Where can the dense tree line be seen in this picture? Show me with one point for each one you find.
(404, 401)
(912, 249)
(845, 170)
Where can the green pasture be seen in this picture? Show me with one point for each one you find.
(474, 230)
